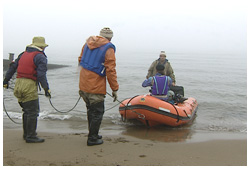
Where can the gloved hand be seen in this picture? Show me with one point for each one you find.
(5, 84)
(114, 95)
(47, 92)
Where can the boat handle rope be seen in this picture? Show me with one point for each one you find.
(186, 113)
(141, 116)
(178, 115)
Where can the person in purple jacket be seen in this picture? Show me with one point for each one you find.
(31, 68)
(160, 85)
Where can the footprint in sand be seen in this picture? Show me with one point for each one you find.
(121, 139)
(117, 140)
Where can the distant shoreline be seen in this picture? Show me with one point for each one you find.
(6, 63)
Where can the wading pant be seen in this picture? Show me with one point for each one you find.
(95, 111)
(27, 95)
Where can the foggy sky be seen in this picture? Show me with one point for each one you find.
(176, 26)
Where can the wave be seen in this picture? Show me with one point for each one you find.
(115, 119)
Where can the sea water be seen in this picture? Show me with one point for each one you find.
(217, 81)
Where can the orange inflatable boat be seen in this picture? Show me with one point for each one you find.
(152, 111)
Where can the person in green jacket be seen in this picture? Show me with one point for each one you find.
(168, 70)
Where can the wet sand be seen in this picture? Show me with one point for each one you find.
(70, 149)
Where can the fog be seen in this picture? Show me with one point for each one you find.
(176, 26)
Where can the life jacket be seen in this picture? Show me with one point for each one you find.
(93, 60)
(26, 66)
(161, 85)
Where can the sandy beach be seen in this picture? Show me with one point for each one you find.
(70, 149)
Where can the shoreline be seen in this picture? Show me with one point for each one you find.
(70, 149)
(160, 133)
(66, 145)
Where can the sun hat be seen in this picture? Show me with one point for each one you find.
(106, 32)
(39, 42)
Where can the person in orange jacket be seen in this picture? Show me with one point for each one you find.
(98, 63)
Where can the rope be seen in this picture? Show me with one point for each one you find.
(125, 114)
(142, 116)
(64, 111)
(112, 107)
(78, 102)
(119, 102)
(8, 114)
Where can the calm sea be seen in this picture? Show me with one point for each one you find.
(218, 82)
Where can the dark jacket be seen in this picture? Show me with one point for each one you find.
(40, 60)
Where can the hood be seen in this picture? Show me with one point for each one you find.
(96, 41)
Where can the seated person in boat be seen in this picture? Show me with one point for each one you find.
(160, 85)
(168, 70)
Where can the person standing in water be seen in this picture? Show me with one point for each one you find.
(31, 67)
(98, 63)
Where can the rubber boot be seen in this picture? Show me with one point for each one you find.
(90, 119)
(24, 121)
(24, 126)
(31, 111)
(96, 113)
(31, 131)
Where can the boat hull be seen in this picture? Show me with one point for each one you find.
(152, 111)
